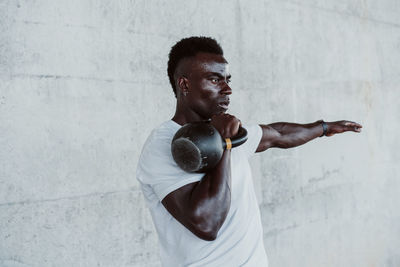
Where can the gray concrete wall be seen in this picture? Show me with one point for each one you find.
(82, 83)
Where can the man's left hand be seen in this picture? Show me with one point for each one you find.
(341, 127)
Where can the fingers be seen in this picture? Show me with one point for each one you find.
(338, 127)
(231, 126)
(226, 124)
(235, 128)
(353, 126)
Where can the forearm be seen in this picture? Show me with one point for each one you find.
(293, 134)
(211, 198)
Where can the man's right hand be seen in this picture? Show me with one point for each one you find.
(227, 125)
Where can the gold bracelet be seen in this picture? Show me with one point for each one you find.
(228, 143)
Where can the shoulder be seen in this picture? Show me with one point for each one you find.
(158, 144)
(157, 168)
(161, 135)
(253, 130)
(254, 134)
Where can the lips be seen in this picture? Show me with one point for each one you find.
(224, 104)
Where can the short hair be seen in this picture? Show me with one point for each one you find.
(189, 47)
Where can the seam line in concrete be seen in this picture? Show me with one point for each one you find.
(29, 22)
(43, 23)
(346, 14)
(51, 76)
(101, 194)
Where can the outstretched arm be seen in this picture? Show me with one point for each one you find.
(287, 135)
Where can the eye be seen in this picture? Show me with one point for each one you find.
(214, 80)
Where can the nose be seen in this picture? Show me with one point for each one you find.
(226, 89)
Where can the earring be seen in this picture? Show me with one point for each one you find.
(185, 93)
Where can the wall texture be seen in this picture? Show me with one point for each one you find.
(82, 83)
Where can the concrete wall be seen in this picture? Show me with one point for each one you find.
(82, 83)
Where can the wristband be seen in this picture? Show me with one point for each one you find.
(324, 128)
(228, 143)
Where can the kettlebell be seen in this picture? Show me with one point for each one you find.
(198, 146)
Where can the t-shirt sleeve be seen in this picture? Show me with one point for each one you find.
(254, 134)
(158, 169)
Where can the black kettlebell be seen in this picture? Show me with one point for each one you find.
(198, 146)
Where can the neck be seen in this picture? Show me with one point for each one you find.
(185, 115)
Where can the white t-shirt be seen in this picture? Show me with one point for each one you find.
(240, 239)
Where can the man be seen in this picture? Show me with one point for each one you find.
(211, 219)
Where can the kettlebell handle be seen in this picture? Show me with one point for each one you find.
(237, 140)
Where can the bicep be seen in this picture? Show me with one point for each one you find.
(177, 203)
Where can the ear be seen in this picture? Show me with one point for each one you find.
(183, 83)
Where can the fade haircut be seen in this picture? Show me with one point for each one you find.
(189, 47)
